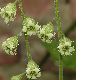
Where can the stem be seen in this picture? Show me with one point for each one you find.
(27, 47)
(60, 34)
(58, 19)
(21, 9)
(60, 68)
(26, 36)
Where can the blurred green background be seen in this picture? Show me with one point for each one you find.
(44, 54)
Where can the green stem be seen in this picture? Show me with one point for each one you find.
(60, 34)
(60, 68)
(58, 19)
(21, 9)
(27, 47)
(26, 36)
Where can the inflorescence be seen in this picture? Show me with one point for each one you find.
(32, 70)
(46, 33)
(8, 13)
(65, 46)
(10, 45)
(31, 27)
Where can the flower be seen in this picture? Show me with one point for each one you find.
(30, 27)
(65, 46)
(8, 12)
(18, 77)
(10, 45)
(46, 33)
(32, 70)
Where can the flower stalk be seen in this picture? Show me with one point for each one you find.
(60, 68)
(26, 36)
(60, 34)
(27, 47)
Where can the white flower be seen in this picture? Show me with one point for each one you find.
(30, 27)
(32, 70)
(65, 46)
(8, 12)
(46, 33)
(18, 77)
(10, 45)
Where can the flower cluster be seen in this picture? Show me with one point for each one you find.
(8, 12)
(17, 77)
(46, 33)
(30, 27)
(10, 45)
(65, 46)
(32, 70)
